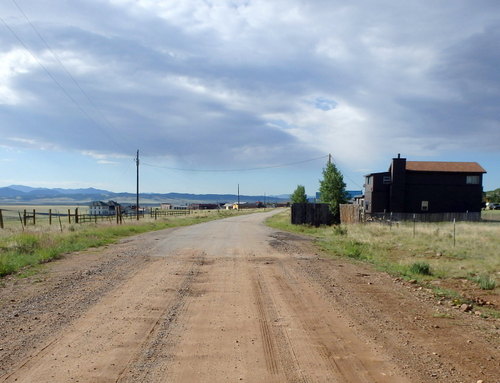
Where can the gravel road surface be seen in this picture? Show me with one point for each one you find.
(232, 301)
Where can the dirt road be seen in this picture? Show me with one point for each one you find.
(229, 301)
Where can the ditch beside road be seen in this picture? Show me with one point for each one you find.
(232, 300)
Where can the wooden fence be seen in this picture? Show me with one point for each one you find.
(32, 217)
(351, 214)
(426, 217)
(315, 214)
(155, 213)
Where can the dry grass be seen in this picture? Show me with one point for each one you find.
(474, 255)
(475, 250)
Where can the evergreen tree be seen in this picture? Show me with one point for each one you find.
(299, 195)
(332, 189)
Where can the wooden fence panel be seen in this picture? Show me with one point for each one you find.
(314, 214)
(350, 213)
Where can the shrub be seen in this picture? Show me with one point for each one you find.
(26, 243)
(354, 249)
(422, 268)
(339, 230)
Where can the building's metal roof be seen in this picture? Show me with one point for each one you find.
(441, 166)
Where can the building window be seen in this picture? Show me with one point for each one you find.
(368, 180)
(387, 179)
(472, 180)
(425, 205)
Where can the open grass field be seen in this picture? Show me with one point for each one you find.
(35, 244)
(491, 215)
(466, 267)
(11, 213)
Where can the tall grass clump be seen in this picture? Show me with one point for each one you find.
(485, 282)
(339, 230)
(420, 268)
(354, 249)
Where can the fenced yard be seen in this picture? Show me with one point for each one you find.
(21, 217)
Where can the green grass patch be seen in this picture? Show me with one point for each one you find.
(485, 282)
(422, 268)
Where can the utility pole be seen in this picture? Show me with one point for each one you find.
(238, 196)
(137, 194)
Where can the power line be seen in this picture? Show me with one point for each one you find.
(62, 64)
(345, 175)
(53, 78)
(235, 170)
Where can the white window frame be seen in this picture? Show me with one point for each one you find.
(425, 206)
(473, 180)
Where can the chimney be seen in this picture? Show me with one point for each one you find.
(398, 184)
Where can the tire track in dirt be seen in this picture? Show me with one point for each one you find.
(354, 370)
(333, 346)
(155, 348)
(281, 358)
(267, 339)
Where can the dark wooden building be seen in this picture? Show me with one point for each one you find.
(425, 187)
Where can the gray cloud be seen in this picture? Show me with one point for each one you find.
(256, 82)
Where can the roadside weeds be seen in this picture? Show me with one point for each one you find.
(463, 274)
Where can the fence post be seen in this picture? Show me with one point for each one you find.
(34, 215)
(1, 219)
(69, 216)
(24, 217)
(414, 225)
(20, 219)
(50, 216)
(76, 215)
(454, 231)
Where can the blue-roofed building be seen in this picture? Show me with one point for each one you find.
(350, 195)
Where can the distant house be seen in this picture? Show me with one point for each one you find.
(425, 187)
(247, 205)
(204, 206)
(169, 206)
(350, 194)
(103, 208)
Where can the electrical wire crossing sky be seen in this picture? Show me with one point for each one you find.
(221, 93)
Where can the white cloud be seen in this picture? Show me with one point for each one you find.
(13, 63)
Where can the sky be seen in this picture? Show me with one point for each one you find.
(256, 93)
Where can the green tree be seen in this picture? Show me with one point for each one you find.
(493, 196)
(332, 189)
(299, 195)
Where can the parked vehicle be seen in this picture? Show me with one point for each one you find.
(492, 206)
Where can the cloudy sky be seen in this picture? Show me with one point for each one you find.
(216, 93)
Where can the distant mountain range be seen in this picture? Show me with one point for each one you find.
(20, 194)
